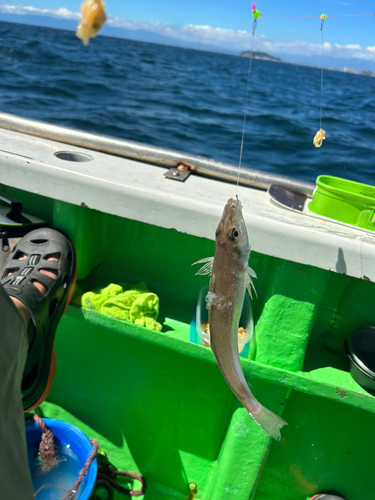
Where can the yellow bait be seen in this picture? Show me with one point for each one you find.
(93, 18)
(319, 138)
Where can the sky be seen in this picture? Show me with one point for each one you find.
(229, 23)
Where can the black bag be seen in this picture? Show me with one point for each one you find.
(14, 225)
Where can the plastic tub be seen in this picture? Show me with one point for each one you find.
(73, 447)
(345, 201)
(200, 336)
(326, 496)
(360, 348)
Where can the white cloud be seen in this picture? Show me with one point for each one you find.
(339, 3)
(235, 40)
(24, 10)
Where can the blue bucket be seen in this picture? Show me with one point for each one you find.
(74, 442)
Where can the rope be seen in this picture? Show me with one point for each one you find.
(49, 460)
(72, 494)
(106, 476)
(47, 449)
(106, 479)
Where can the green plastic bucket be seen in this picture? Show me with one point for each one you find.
(345, 201)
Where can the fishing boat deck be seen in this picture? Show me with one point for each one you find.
(157, 402)
(139, 191)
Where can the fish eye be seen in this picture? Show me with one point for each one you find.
(233, 234)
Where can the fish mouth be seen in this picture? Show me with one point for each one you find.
(234, 203)
(232, 210)
(232, 216)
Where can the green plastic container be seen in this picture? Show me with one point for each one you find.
(345, 201)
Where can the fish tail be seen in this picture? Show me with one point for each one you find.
(269, 422)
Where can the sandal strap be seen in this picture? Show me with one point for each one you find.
(37, 246)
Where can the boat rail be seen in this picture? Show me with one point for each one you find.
(152, 154)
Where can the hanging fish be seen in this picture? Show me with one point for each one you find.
(93, 18)
(230, 277)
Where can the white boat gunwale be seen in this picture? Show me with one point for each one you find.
(139, 191)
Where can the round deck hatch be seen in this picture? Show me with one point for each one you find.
(73, 156)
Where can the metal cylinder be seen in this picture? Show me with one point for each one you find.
(152, 154)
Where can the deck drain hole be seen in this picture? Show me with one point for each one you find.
(73, 156)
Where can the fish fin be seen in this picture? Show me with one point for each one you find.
(207, 268)
(250, 273)
(269, 422)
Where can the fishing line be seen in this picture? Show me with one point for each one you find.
(321, 78)
(296, 15)
(320, 135)
(244, 116)
(257, 15)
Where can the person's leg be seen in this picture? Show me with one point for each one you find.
(38, 279)
(15, 479)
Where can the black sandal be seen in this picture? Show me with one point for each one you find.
(45, 309)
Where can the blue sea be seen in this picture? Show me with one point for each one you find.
(192, 101)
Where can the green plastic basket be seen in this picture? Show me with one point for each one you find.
(345, 201)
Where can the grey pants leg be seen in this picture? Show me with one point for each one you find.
(15, 479)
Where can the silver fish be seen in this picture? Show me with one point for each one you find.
(230, 277)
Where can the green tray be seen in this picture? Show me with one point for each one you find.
(346, 201)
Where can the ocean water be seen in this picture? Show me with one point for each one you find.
(192, 101)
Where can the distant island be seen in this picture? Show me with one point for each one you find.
(267, 57)
(355, 72)
(331, 63)
(261, 55)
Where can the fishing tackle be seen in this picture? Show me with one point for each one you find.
(256, 15)
(323, 17)
(319, 138)
(320, 135)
